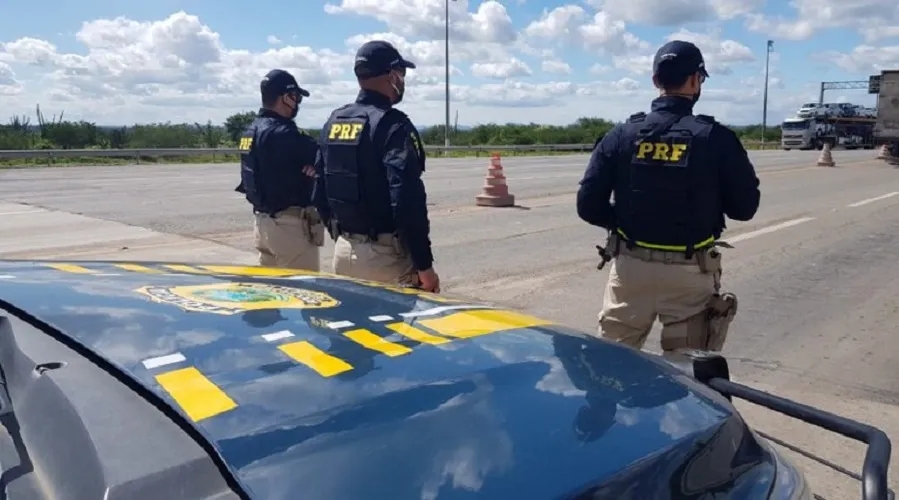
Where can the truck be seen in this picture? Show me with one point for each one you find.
(812, 132)
(886, 127)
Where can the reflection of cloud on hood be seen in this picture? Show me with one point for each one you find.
(471, 459)
(268, 394)
(676, 419)
(679, 419)
(386, 451)
(122, 313)
(121, 334)
(130, 344)
(627, 417)
(557, 380)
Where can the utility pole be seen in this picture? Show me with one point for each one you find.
(446, 124)
(765, 98)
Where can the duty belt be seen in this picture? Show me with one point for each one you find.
(294, 209)
(666, 256)
(671, 254)
(704, 244)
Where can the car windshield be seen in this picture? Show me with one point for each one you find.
(795, 125)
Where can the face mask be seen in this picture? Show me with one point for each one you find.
(399, 86)
(295, 109)
(698, 89)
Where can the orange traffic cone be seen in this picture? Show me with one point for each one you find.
(826, 158)
(495, 192)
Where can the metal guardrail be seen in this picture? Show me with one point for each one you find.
(50, 154)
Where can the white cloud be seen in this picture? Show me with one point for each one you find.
(874, 19)
(273, 40)
(556, 66)
(425, 18)
(676, 12)
(573, 25)
(866, 59)
(9, 85)
(719, 54)
(501, 71)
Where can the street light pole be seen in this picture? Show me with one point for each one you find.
(765, 98)
(446, 124)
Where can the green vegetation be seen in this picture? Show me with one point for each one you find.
(56, 133)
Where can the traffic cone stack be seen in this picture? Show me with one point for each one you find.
(495, 192)
(826, 158)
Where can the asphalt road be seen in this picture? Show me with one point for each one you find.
(815, 271)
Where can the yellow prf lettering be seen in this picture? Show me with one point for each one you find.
(245, 143)
(677, 150)
(344, 131)
(644, 149)
(661, 151)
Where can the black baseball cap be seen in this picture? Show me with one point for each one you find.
(377, 57)
(679, 58)
(278, 82)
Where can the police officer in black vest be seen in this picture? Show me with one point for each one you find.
(674, 176)
(369, 190)
(277, 176)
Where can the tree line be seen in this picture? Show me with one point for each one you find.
(56, 133)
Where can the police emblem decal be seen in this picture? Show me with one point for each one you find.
(235, 298)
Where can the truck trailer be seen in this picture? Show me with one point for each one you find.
(886, 127)
(812, 132)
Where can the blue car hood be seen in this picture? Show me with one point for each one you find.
(315, 386)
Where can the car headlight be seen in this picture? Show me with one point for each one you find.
(789, 481)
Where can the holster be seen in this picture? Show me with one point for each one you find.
(610, 250)
(722, 307)
(315, 229)
(721, 312)
(333, 229)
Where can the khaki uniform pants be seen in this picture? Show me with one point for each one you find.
(291, 239)
(640, 290)
(382, 259)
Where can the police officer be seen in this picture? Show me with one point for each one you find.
(674, 176)
(277, 175)
(369, 190)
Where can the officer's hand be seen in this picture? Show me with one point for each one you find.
(430, 282)
(309, 170)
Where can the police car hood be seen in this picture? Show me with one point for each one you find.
(319, 387)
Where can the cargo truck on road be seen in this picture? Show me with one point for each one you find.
(886, 127)
(812, 132)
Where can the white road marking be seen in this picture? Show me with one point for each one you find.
(334, 325)
(151, 363)
(872, 200)
(767, 230)
(21, 212)
(380, 318)
(283, 334)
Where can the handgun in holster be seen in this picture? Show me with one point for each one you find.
(333, 228)
(610, 250)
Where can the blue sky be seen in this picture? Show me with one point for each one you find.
(733, 38)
